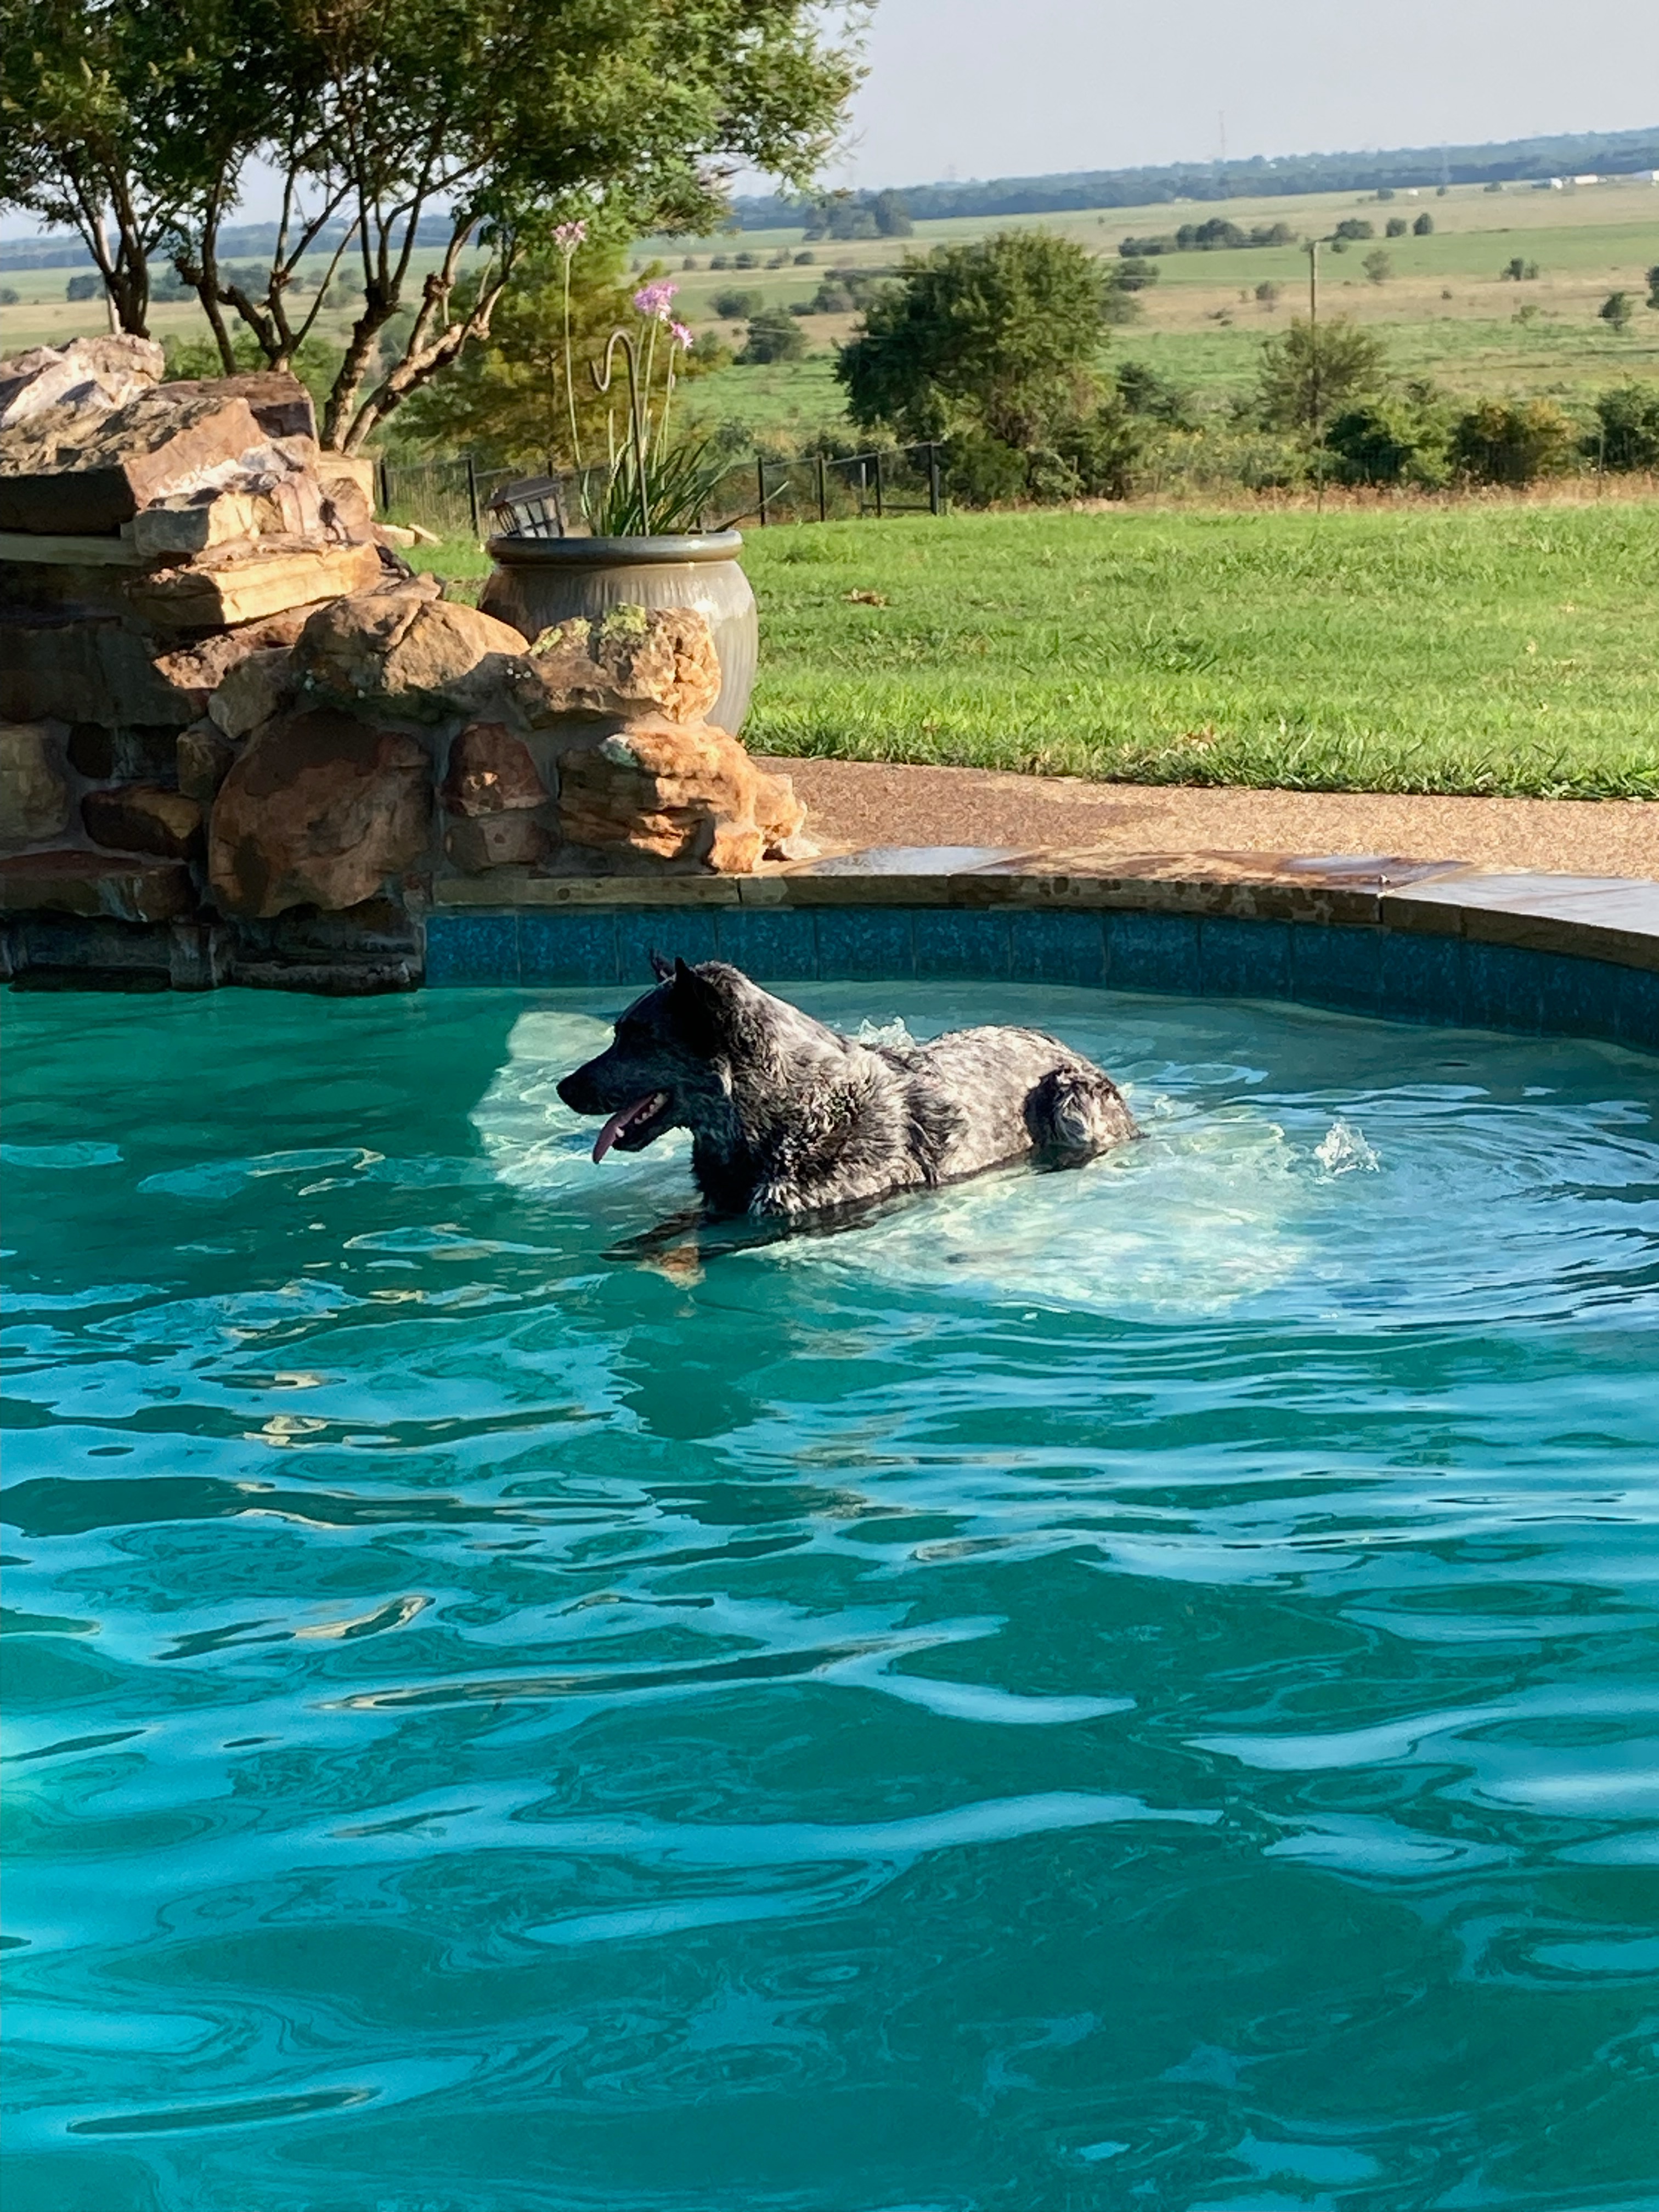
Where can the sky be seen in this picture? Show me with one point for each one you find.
(1022, 88)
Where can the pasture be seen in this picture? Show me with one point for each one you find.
(1491, 646)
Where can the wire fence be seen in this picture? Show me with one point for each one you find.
(454, 497)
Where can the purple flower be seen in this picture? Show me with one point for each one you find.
(652, 299)
(681, 336)
(567, 236)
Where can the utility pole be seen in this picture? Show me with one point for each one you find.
(1316, 395)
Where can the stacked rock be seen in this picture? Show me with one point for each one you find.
(242, 743)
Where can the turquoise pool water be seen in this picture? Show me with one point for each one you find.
(1125, 1689)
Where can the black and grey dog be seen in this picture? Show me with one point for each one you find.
(789, 1118)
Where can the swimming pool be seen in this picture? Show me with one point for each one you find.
(1125, 1688)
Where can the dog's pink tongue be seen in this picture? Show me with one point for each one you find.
(614, 1127)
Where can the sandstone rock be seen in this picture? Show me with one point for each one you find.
(259, 687)
(178, 528)
(204, 756)
(496, 840)
(92, 374)
(243, 583)
(490, 772)
(279, 403)
(34, 799)
(638, 660)
(70, 471)
(96, 669)
(417, 656)
(318, 809)
(659, 789)
(132, 752)
(780, 818)
(194, 672)
(142, 818)
(95, 883)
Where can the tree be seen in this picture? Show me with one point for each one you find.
(773, 335)
(1424, 227)
(1390, 441)
(1627, 432)
(1308, 375)
(505, 401)
(1511, 442)
(1356, 226)
(999, 337)
(1653, 285)
(1617, 310)
(466, 124)
(1377, 265)
(1395, 226)
(732, 306)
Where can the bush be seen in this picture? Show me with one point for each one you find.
(1142, 390)
(735, 306)
(8, 296)
(1134, 272)
(773, 335)
(745, 261)
(1355, 226)
(720, 261)
(1617, 312)
(1306, 378)
(1517, 271)
(1377, 266)
(805, 260)
(84, 288)
(1389, 441)
(1653, 285)
(1511, 442)
(1626, 436)
(1424, 227)
(982, 470)
(1267, 293)
(1395, 226)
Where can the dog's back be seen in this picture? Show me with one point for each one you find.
(789, 1117)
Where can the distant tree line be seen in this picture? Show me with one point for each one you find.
(1212, 236)
(1509, 161)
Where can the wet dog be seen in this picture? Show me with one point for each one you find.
(789, 1118)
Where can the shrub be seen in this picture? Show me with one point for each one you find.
(1305, 378)
(720, 261)
(732, 306)
(1511, 442)
(805, 260)
(773, 335)
(999, 337)
(1355, 226)
(745, 261)
(690, 262)
(1395, 226)
(8, 296)
(1377, 266)
(1134, 272)
(1424, 227)
(1389, 441)
(1517, 271)
(1617, 312)
(982, 470)
(1626, 435)
(1142, 390)
(84, 288)
(1653, 285)
(1267, 293)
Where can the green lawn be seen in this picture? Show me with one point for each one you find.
(1481, 647)
(1478, 648)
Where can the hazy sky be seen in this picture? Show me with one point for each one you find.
(1017, 87)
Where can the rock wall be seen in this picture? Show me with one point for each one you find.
(240, 742)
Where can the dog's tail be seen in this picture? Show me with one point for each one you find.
(1077, 1112)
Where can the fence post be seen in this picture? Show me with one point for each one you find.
(385, 488)
(823, 499)
(878, 487)
(760, 482)
(932, 479)
(472, 491)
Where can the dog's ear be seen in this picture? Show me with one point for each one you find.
(700, 1002)
(661, 969)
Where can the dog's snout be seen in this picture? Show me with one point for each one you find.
(576, 1090)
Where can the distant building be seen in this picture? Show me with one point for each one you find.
(1586, 180)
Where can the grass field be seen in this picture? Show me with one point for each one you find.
(1446, 312)
(1492, 647)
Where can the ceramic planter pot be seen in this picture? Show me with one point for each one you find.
(537, 581)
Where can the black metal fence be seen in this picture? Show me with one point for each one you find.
(453, 497)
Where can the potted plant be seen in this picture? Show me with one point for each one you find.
(643, 542)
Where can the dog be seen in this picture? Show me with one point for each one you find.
(788, 1118)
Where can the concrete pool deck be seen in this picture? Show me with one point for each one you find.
(853, 802)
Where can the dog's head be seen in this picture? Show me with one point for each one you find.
(663, 1069)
